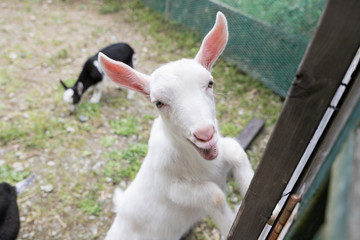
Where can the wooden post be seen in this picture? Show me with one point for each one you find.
(325, 62)
(167, 9)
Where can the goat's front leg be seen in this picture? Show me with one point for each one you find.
(96, 96)
(235, 155)
(207, 196)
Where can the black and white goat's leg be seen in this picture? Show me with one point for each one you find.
(96, 96)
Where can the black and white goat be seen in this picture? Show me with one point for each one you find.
(9, 211)
(92, 75)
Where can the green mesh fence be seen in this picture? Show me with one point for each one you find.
(267, 38)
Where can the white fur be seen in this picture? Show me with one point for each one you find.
(176, 186)
(68, 95)
(97, 65)
(97, 91)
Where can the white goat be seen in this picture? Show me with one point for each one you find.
(183, 176)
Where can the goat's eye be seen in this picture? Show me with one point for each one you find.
(159, 104)
(211, 84)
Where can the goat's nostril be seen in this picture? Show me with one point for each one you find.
(205, 133)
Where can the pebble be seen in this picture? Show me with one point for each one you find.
(70, 129)
(51, 163)
(97, 166)
(94, 230)
(123, 185)
(83, 118)
(47, 188)
(13, 56)
(234, 199)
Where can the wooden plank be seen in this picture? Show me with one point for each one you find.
(332, 136)
(250, 132)
(284, 217)
(324, 64)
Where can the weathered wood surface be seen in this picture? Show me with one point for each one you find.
(320, 73)
(250, 132)
(332, 135)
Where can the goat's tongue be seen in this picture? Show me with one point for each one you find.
(209, 154)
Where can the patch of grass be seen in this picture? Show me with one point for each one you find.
(230, 129)
(41, 128)
(90, 205)
(8, 82)
(110, 6)
(149, 117)
(107, 141)
(99, 31)
(89, 109)
(10, 131)
(60, 54)
(5, 75)
(125, 126)
(243, 97)
(126, 163)
(34, 131)
(8, 174)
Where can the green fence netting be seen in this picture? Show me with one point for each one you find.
(267, 38)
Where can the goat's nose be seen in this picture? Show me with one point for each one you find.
(204, 134)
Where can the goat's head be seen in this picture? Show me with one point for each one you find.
(182, 91)
(72, 95)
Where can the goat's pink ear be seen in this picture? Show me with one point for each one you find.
(125, 75)
(214, 43)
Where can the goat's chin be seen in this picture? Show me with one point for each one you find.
(209, 153)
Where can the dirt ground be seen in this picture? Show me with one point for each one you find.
(45, 42)
(40, 43)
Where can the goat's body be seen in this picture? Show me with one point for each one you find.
(147, 210)
(91, 75)
(9, 213)
(183, 176)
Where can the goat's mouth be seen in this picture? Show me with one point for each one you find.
(209, 153)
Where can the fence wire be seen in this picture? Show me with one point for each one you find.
(267, 38)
